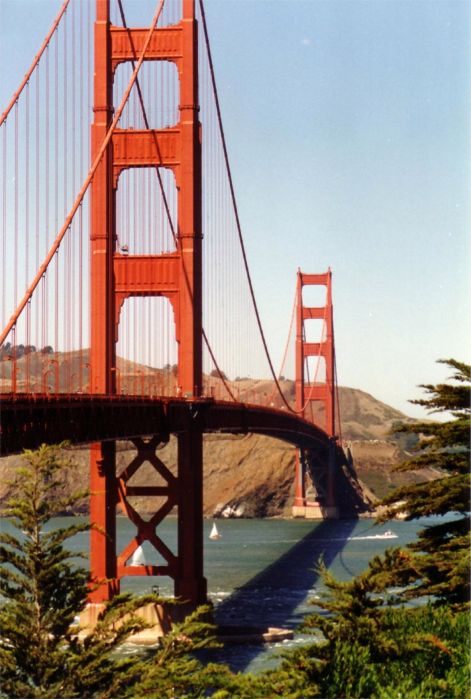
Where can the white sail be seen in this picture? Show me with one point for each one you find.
(138, 558)
(214, 532)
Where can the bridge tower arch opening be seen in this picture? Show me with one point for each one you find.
(117, 275)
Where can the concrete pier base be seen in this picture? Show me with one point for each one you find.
(314, 511)
(156, 615)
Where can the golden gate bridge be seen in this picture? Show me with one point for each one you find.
(128, 310)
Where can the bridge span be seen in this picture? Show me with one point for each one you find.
(28, 421)
(112, 213)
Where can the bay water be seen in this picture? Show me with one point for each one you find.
(262, 572)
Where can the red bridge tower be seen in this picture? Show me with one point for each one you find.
(175, 275)
(310, 391)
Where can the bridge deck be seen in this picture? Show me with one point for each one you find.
(28, 421)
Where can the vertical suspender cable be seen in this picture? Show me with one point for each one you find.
(80, 241)
(4, 232)
(66, 225)
(15, 209)
(236, 212)
(72, 289)
(40, 301)
(27, 236)
(46, 158)
(65, 160)
(15, 255)
(35, 62)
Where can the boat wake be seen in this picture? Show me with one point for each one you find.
(386, 535)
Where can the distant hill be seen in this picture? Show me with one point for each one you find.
(365, 417)
(362, 416)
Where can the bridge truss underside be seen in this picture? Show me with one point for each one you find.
(28, 422)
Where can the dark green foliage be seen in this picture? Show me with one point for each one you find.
(41, 654)
(43, 590)
(9, 351)
(171, 670)
(443, 445)
(371, 649)
(440, 564)
(280, 683)
(405, 441)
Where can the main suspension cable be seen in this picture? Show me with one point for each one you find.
(35, 62)
(287, 344)
(236, 211)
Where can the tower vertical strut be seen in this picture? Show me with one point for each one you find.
(176, 276)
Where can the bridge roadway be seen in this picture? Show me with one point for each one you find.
(30, 420)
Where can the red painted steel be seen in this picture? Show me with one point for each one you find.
(176, 276)
(101, 416)
(165, 44)
(29, 420)
(103, 494)
(309, 392)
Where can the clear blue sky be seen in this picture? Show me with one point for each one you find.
(348, 127)
(353, 120)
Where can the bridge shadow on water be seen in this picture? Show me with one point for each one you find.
(273, 596)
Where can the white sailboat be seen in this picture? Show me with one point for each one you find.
(214, 534)
(138, 558)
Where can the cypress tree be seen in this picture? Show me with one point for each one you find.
(438, 563)
(367, 645)
(372, 648)
(43, 589)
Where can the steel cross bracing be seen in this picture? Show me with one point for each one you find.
(90, 403)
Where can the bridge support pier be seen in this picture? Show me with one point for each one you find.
(299, 481)
(185, 492)
(322, 467)
(190, 583)
(103, 499)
